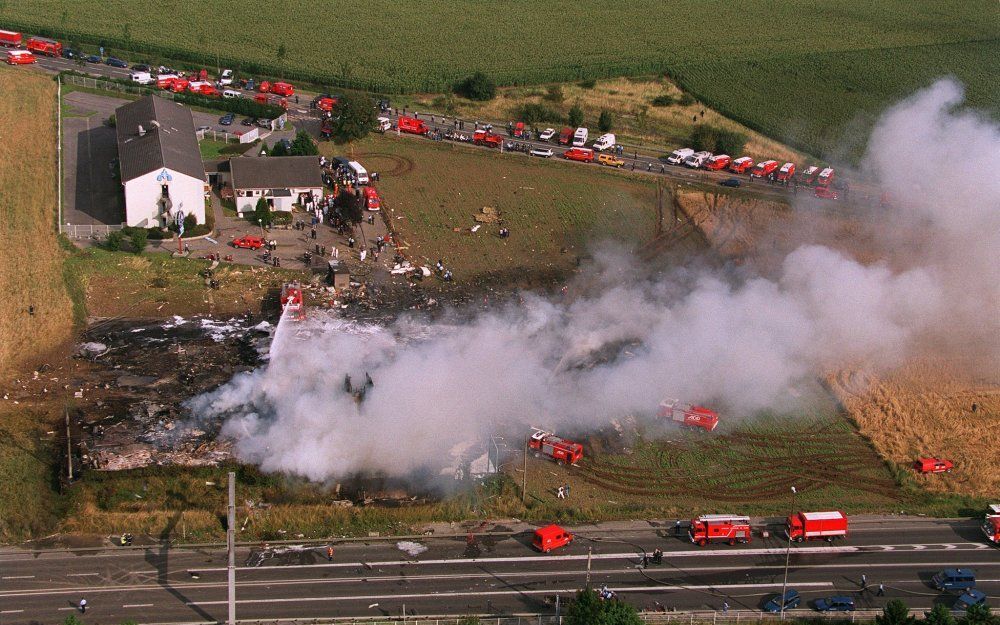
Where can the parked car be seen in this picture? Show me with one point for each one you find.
(226, 78)
(791, 600)
(543, 152)
(249, 242)
(114, 61)
(70, 53)
(551, 537)
(249, 121)
(970, 598)
(263, 123)
(922, 465)
(547, 134)
(227, 119)
(93, 58)
(204, 128)
(826, 193)
(837, 603)
(954, 579)
(142, 67)
(731, 182)
(611, 160)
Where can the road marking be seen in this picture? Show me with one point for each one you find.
(61, 609)
(494, 593)
(11, 611)
(81, 574)
(19, 577)
(138, 605)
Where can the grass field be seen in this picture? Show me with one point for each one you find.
(553, 209)
(800, 73)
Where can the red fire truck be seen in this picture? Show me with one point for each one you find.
(292, 303)
(826, 177)
(786, 173)
(810, 174)
(559, 449)
(688, 415)
(720, 528)
(10, 39)
(991, 524)
(763, 169)
(48, 47)
(490, 140)
(817, 525)
(412, 126)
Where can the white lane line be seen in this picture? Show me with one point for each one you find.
(495, 593)
(18, 577)
(11, 611)
(138, 605)
(81, 574)
(61, 609)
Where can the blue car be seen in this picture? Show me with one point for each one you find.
(227, 119)
(791, 601)
(93, 58)
(838, 603)
(954, 579)
(969, 599)
(730, 182)
(114, 61)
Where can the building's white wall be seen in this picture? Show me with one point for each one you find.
(142, 196)
(246, 199)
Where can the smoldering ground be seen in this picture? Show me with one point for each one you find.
(744, 343)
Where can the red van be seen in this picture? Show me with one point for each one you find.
(585, 155)
(551, 537)
(372, 201)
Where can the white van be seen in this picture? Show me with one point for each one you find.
(143, 78)
(579, 137)
(383, 124)
(697, 160)
(231, 93)
(359, 172)
(604, 142)
(677, 156)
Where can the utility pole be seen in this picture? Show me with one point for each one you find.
(590, 551)
(524, 474)
(788, 554)
(231, 546)
(69, 449)
(59, 153)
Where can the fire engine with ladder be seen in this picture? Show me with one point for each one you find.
(688, 415)
(727, 528)
(292, 302)
(551, 446)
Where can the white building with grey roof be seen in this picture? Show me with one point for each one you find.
(161, 167)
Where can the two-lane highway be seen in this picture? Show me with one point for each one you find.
(497, 574)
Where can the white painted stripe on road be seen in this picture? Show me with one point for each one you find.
(81, 574)
(138, 605)
(61, 609)
(11, 611)
(496, 593)
(19, 577)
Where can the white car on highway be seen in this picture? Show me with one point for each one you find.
(226, 78)
(543, 152)
(547, 134)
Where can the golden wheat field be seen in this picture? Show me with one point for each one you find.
(926, 409)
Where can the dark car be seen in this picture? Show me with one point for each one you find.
(227, 119)
(791, 601)
(731, 182)
(70, 53)
(114, 61)
(263, 123)
(838, 603)
(142, 67)
(969, 599)
(954, 579)
(249, 121)
(93, 58)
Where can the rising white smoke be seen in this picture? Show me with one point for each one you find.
(743, 344)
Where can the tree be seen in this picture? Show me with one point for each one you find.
(554, 93)
(979, 615)
(111, 121)
(139, 239)
(479, 87)
(279, 149)
(113, 242)
(303, 145)
(585, 610)
(262, 214)
(940, 615)
(575, 117)
(895, 613)
(605, 121)
(717, 140)
(619, 613)
(355, 117)
(72, 620)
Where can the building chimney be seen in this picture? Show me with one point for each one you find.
(142, 131)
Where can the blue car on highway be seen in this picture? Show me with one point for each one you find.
(791, 601)
(114, 61)
(837, 603)
(969, 599)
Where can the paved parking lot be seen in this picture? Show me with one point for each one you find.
(91, 191)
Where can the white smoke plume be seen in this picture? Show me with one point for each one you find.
(745, 344)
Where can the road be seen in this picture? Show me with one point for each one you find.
(496, 575)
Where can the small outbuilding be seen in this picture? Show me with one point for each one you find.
(281, 180)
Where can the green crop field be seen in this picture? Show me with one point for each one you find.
(802, 72)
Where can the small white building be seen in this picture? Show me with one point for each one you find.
(281, 180)
(161, 168)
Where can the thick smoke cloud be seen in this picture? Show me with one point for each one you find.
(743, 344)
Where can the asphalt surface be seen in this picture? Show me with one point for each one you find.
(495, 575)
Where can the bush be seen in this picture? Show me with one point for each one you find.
(113, 242)
(686, 99)
(111, 121)
(533, 113)
(554, 93)
(664, 100)
(717, 140)
(355, 117)
(281, 217)
(895, 613)
(575, 117)
(139, 239)
(605, 121)
(279, 149)
(590, 83)
(479, 87)
(262, 215)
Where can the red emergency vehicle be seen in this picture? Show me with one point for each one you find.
(826, 193)
(816, 525)
(10, 39)
(282, 88)
(933, 465)
(718, 162)
(519, 130)
(786, 173)
(991, 524)
(688, 415)
(741, 165)
(763, 169)
(720, 528)
(180, 85)
(585, 155)
(484, 137)
(550, 537)
(20, 57)
(203, 87)
(48, 47)
(273, 100)
(810, 174)
(566, 136)
(372, 201)
(326, 104)
(412, 126)
(292, 303)
(249, 242)
(166, 81)
(825, 177)
(559, 449)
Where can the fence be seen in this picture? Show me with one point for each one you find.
(84, 231)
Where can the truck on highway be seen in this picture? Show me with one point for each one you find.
(741, 165)
(550, 537)
(412, 126)
(584, 155)
(20, 57)
(688, 415)
(809, 175)
(786, 173)
(991, 524)
(826, 177)
(47, 47)
(579, 137)
(763, 169)
(551, 446)
(487, 138)
(283, 89)
(816, 526)
(718, 162)
(604, 142)
(677, 156)
(142, 78)
(10, 39)
(728, 528)
(566, 136)
(697, 160)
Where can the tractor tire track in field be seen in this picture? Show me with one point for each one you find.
(397, 165)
